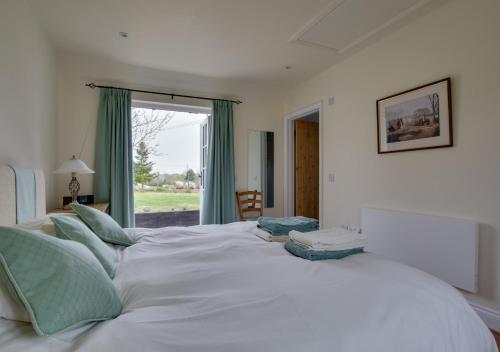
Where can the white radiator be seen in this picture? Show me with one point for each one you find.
(444, 247)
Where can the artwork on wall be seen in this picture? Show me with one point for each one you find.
(418, 118)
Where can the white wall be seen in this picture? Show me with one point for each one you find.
(459, 39)
(27, 92)
(262, 108)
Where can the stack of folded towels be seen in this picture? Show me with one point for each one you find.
(333, 243)
(277, 229)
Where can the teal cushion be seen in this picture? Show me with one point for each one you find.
(312, 254)
(68, 228)
(103, 225)
(60, 283)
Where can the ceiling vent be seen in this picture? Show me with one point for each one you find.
(345, 23)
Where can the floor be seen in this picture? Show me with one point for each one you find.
(164, 219)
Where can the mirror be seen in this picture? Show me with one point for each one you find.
(261, 164)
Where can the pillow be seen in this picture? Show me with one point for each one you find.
(10, 308)
(42, 225)
(103, 225)
(45, 225)
(68, 228)
(60, 283)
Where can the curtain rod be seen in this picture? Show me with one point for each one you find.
(93, 85)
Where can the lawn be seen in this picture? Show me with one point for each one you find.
(151, 201)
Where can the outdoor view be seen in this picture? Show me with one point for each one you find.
(166, 160)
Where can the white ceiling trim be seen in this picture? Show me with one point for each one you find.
(390, 22)
(298, 36)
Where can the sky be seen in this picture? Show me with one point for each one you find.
(407, 108)
(179, 144)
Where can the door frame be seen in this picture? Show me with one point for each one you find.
(289, 189)
(169, 106)
(203, 160)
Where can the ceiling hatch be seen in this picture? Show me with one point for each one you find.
(345, 23)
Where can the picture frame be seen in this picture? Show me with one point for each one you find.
(416, 119)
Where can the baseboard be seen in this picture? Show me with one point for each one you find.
(490, 316)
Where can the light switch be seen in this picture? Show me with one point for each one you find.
(331, 177)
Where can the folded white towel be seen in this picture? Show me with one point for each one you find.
(329, 239)
(266, 236)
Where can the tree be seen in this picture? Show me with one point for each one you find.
(146, 124)
(191, 177)
(143, 168)
(434, 102)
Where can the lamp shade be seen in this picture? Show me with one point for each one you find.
(74, 165)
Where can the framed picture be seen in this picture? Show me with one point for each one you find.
(418, 118)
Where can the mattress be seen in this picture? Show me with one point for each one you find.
(220, 288)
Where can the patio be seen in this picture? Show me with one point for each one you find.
(165, 219)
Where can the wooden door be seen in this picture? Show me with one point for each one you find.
(307, 169)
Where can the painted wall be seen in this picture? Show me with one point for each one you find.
(460, 40)
(77, 109)
(27, 92)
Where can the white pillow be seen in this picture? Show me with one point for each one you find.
(10, 309)
(45, 225)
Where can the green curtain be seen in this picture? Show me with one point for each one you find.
(219, 206)
(113, 181)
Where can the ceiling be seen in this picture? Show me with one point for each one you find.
(345, 23)
(251, 40)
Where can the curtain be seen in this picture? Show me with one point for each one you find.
(113, 181)
(219, 205)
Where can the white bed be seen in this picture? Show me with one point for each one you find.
(220, 288)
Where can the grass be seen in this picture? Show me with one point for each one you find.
(151, 201)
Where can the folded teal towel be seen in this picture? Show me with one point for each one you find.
(310, 254)
(282, 226)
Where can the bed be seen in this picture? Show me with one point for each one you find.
(221, 288)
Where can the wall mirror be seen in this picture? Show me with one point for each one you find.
(261, 164)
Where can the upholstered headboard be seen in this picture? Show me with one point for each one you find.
(8, 202)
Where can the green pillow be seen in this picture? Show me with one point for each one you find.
(68, 228)
(103, 225)
(60, 283)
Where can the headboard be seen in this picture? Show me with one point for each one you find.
(444, 247)
(8, 213)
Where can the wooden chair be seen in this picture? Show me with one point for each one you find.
(250, 204)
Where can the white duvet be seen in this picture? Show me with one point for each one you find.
(221, 288)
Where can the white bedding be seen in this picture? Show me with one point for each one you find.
(220, 288)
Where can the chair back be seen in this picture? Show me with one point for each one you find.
(250, 204)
